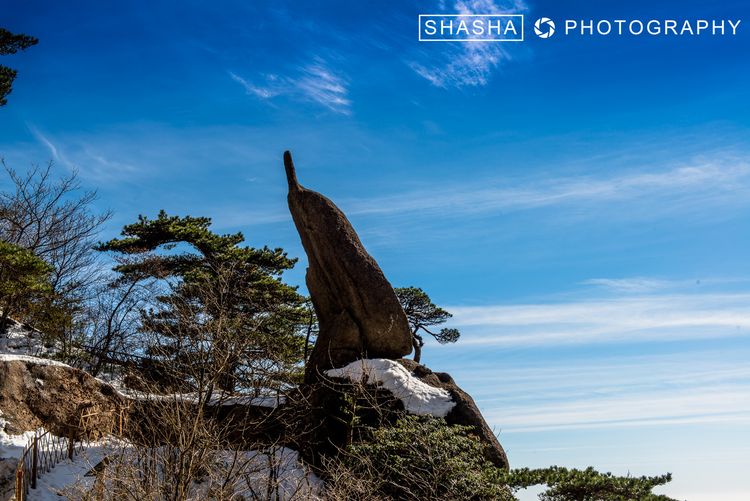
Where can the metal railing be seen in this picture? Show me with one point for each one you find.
(45, 450)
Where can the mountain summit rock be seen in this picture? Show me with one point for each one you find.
(358, 312)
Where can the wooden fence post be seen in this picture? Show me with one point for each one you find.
(19, 485)
(34, 460)
(71, 446)
(100, 483)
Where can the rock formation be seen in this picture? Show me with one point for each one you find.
(465, 412)
(358, 313)
(35, 393)
(359, 317)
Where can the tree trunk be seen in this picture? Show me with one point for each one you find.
(416, 342)
(4, 318)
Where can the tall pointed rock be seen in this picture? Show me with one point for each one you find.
(358, 313)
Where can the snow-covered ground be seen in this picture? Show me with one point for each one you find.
(280, 468)
(68, 473)
(11, 446)
(272, 399)
(25, 344)
(21, 340)
(418, 397)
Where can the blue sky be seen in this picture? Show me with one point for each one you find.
(580, 203)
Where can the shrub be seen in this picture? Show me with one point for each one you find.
(587, 485)
(420, 458)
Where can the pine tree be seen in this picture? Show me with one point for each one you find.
(10, 44)
(421, 314)
(218, 293)
(24, 280)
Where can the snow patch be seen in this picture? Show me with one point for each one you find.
(280, 469)
(67, 473)
(260, 401)
(22, 340)
(418, 397)
(218, 398)
(11, 357)
(11, 446)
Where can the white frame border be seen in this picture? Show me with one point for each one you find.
(419, 27)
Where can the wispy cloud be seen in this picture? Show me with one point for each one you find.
(465, 64)
(722, 404)
(706, 182)
(636, 284)
(85, 157)
(575, 377)
(320, 84)
(54, 151)
(266, 92)
(313, 82)
(598, 387)
(683, 388)
(645, 285)
(569, 392)
(628, 319)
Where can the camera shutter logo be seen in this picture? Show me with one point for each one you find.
(544, 27)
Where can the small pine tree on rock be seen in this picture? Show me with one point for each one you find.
(422, 314)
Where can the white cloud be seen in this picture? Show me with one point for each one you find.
(85, 157)
(574, 377)
(585, 392)
(469, 66)
(320, 84)
(314, 82)
(729, 404)
(636, 284)
(644, 391)
(266, 92)
(596, 386)
(681, 187)
(642, 285)
(626, 319)
(54, 151)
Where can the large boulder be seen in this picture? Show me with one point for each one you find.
(358, 312)
(465, 412)
(360, 319)
(413, 388)
(42, 393)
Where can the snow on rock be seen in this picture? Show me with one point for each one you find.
(56, 403)
(418, 397)
(11, 357)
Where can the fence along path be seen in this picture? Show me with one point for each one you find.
(44, 450)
